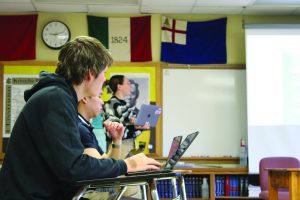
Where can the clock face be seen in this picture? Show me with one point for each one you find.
(55, 34)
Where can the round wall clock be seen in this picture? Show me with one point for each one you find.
(55, 34)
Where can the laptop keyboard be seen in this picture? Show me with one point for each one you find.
(150, 171)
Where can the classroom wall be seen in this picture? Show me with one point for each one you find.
(77, 23)
(235, 33)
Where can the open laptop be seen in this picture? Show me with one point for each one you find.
(148, 113)
(171, 162)
(174, 146)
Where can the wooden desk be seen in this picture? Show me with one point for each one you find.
(284, 178)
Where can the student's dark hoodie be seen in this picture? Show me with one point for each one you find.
(45, 155)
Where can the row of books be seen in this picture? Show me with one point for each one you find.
(225, 185)
(192, 186)
(231, 185)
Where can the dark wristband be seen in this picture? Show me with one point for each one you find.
(117, 146)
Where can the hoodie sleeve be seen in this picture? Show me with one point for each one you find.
(58, 140)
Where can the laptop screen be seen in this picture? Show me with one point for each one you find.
(174, 146)
(170, 164)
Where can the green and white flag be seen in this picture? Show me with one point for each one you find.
(128, 39)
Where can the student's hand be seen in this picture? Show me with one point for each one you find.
(115, 129)
(140, 162)
(145, 126)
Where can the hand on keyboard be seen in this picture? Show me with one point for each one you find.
(141, 162)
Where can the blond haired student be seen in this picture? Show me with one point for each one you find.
(89, 108)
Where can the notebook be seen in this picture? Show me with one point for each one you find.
(148, 113)
(171, 162)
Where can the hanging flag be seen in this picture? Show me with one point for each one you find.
(128, 39)
(187, 42)
(17, 37)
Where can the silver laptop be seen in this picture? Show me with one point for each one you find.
(148, 113)
(171, 162)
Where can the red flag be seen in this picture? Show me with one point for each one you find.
(140, 39)
(18, 37)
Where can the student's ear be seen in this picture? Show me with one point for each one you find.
(88, 76)
(84, 100)
(119, 86)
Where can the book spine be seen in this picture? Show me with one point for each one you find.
(227, 185)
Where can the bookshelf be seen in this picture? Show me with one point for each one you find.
(237, 177)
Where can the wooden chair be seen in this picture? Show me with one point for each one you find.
(274, 162)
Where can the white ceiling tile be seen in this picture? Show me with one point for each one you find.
(223, 2)
(166, 9)
(15, 1)
(87, 2)
(113, 9)
(171, 3)
(217, 10)
(276, 2)
(253, 7)
(47, 7)
(267, 10)
(16, 7)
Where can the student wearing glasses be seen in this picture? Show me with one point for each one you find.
(119, 109)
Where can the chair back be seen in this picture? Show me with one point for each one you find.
(274, 162)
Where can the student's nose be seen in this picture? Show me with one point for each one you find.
(101, 103)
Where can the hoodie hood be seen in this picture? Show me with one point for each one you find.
(49, 79)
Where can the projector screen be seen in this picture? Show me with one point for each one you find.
(273, 92)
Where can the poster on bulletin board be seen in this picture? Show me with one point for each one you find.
(16, 79)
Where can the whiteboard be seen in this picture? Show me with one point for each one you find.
(211, 101)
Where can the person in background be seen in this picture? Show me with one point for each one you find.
(117, 109)
(45, 155)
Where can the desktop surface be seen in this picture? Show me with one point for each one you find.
(124, 180)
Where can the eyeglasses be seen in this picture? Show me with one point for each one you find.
(126, 83)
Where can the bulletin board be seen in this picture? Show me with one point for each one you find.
(16, 77)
